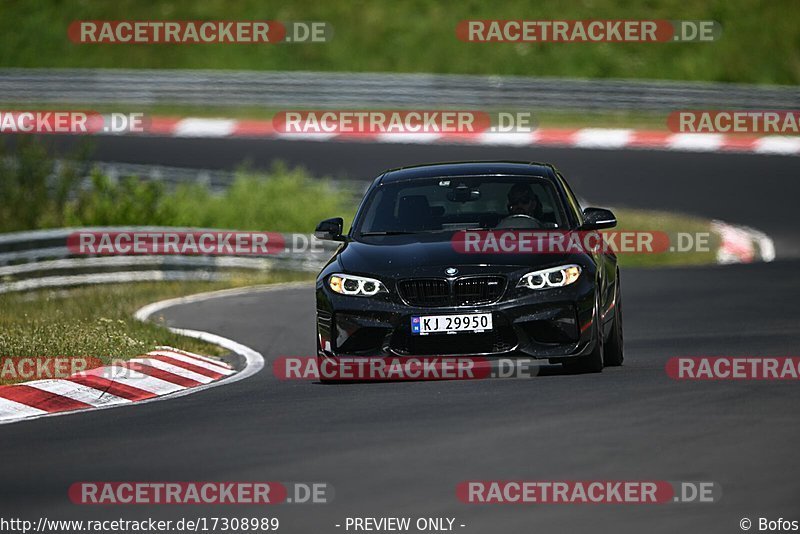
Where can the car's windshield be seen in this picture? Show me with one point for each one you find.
(455, 203)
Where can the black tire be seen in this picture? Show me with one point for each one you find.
(592, 362)
(613, 354)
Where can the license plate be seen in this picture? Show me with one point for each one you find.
(451, 324)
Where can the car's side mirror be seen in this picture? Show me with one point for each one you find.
(330, 229)
(597, 219)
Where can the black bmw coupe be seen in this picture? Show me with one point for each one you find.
(439, 262)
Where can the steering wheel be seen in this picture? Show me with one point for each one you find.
(520, 220)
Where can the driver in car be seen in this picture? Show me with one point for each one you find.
(523, 201)
(524, 209)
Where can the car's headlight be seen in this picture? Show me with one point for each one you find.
(553, 277)
(360, 286)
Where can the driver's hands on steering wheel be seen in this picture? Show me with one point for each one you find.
(523, 205)
(522, 221)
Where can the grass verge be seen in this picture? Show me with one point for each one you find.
(758, 43)
(630, 220)
(97, 321)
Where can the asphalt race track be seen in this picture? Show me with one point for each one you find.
(399, 449)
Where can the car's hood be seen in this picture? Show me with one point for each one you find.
(403, 256)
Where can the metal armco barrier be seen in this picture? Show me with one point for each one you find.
(247, 88)
(41, 258)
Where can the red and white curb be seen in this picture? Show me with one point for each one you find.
(162, 374)
(599, 138)
(741, 244)
(159, 372)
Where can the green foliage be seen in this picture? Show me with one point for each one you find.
(285, 200)
(760, 41)
(29, 196)
(33, 195)
(105, 203)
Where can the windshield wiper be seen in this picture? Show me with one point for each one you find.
(389, 232)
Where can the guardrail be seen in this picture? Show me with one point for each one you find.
(41, 258)
(276, 89)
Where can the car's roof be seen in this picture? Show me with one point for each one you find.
(468, 168)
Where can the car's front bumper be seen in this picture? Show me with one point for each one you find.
(552, 324)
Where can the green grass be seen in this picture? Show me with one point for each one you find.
(760, 41)
(97, 321)
(671, 223)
